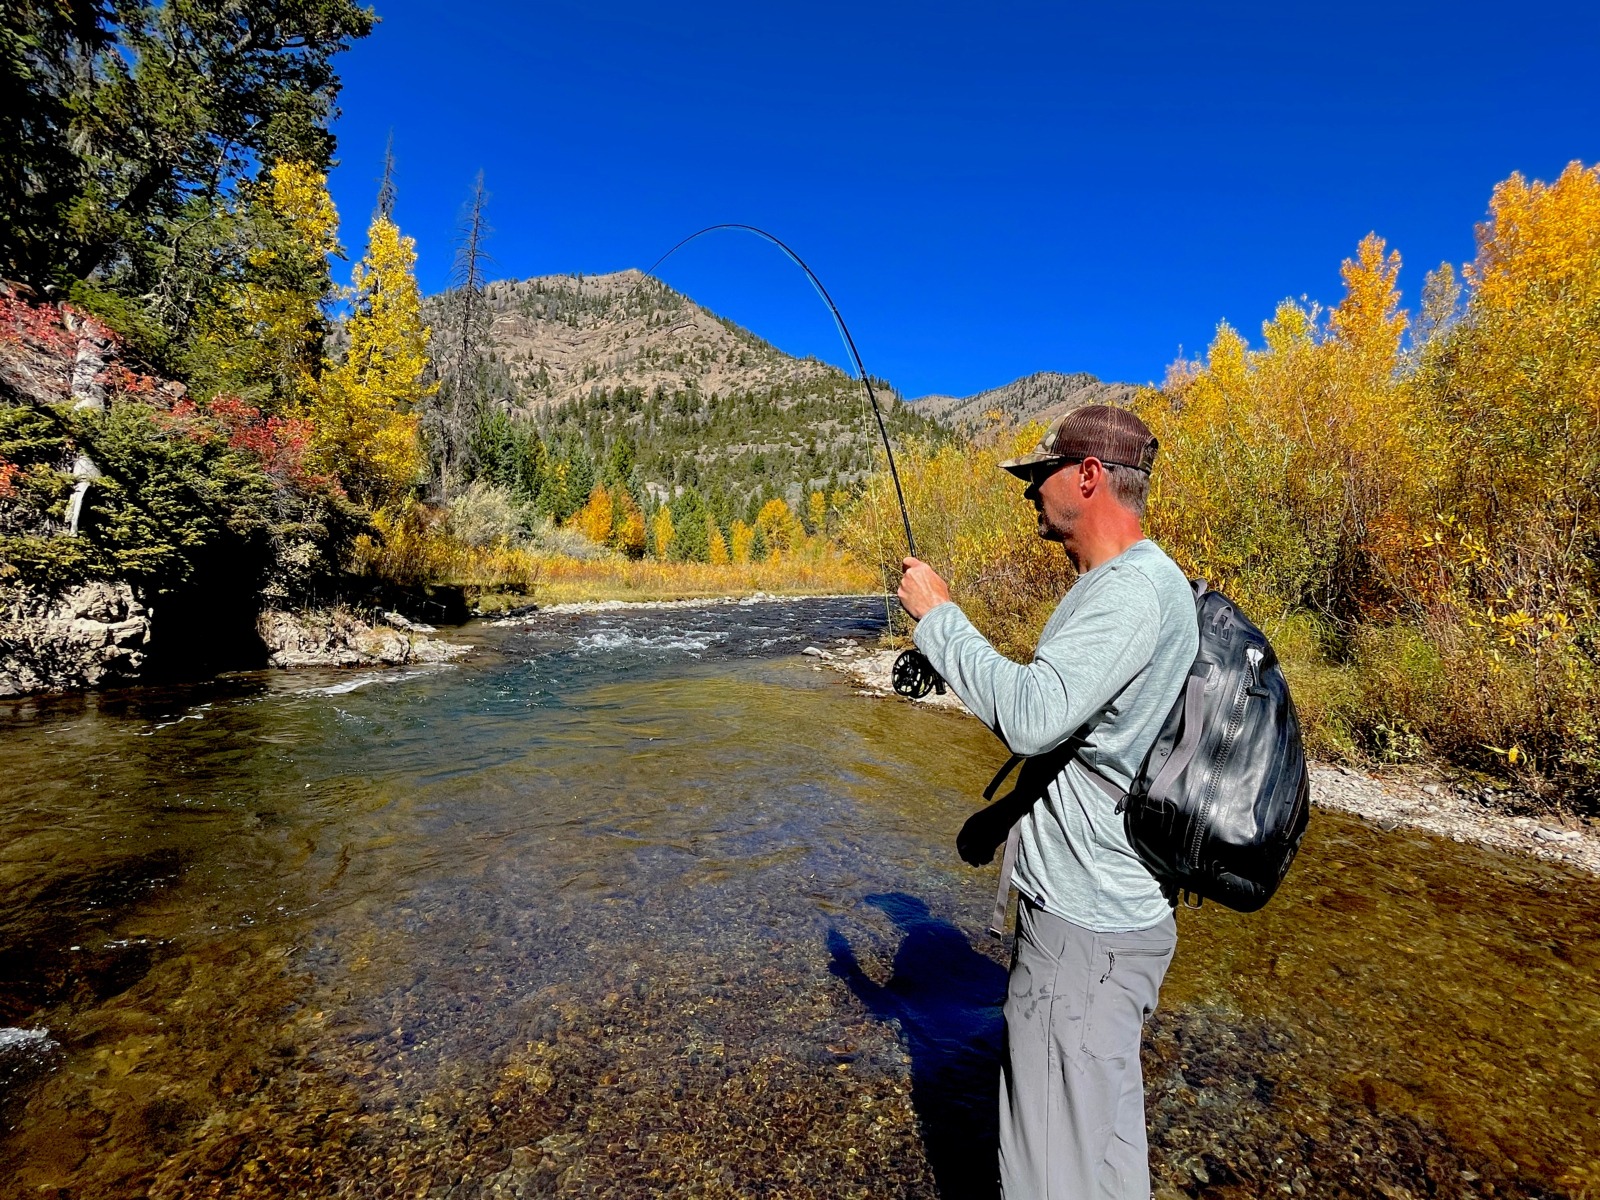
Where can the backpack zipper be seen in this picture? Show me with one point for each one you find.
(1230, 734)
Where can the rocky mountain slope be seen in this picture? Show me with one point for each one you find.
(701, 402)
(1042, 397)
(563, 337)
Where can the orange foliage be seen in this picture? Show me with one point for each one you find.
(628, 534)
(1408, 508)
(596, 519)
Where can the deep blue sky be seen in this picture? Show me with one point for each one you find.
(987, 190)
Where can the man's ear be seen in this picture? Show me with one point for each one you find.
(1093, 475)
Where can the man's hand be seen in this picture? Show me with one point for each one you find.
(982, 835)
(921, 589)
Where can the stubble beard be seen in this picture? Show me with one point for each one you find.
(1062, 533)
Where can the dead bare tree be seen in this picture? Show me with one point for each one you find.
(465, 341)
(386, 189)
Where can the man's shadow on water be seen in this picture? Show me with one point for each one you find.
(946, 997)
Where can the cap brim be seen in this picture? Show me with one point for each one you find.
(1019, 466)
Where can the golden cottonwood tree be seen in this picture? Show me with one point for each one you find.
(662, 532)
(817, 512)
(1295, 454)
(628, 531)
(741, 541)
(779, 528)
(597, 518)
(716, 544)
(1518, 387)
(365, 411)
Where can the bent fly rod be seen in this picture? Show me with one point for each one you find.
(913, 675)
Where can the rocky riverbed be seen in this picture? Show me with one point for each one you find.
(635, 903)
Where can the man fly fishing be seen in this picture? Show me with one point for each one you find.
(1095, 932)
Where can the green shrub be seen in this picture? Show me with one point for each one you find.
(183, 500)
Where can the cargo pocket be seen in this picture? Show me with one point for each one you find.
(1123, 988)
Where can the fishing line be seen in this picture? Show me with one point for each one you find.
(913, 675)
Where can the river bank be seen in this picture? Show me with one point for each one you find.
(1430, 798)
(102, 635)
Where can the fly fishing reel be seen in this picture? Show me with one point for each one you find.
(913, 676)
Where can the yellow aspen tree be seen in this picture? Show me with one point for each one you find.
(366, 415)
(596, 519)
(779, 527)
(817, 506)
(741, 539)
(1541, 242)
(628, 532)
(1376, 470)
(661, 532)
(1519, 383)
(717, 545)
(262, 336)
(1368, 323)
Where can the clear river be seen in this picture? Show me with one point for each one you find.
(639, 902)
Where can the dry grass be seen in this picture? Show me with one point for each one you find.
(417, 545)
(565, 580)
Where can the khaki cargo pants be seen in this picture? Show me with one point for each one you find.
(1071, 1091)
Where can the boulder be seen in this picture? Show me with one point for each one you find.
(339, 637)
(96, 635)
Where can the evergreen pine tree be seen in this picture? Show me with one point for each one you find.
(690, 542)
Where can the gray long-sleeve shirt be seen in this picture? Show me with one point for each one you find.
(1110, 662)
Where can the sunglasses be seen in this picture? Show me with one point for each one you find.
(1037, 473)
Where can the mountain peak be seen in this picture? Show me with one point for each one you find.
(560, 337)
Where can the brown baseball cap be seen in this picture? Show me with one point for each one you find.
(1113, 435)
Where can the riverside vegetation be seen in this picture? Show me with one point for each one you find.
(1406, 502)
(194, 414)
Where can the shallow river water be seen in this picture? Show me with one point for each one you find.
(636, 903)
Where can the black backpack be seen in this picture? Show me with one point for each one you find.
(1220, 804)
(1221, 801)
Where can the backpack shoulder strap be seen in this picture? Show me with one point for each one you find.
(1194, 693)
(1008, 861)
(1002, 896)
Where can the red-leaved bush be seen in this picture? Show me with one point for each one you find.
(280, 443)
(35, 326)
